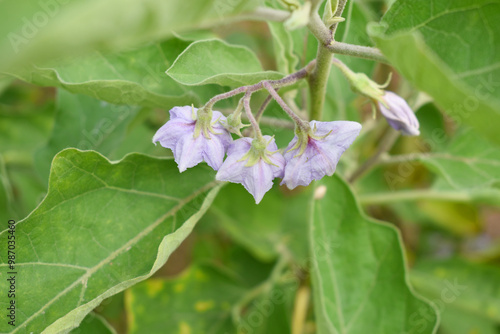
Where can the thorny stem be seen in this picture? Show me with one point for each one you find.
(300, 123)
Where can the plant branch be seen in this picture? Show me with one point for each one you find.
(248, 111)
(263, 107)
(366, 52)
(286, 81)
(385, 145)
(302, 124)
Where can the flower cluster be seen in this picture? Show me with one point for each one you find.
(199, 135)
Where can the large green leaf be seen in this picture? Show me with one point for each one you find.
(466, 287)
(102, 228)
(135, 77)
(451, 51)
(84, 123)
(358, 272)
(214, 61)
(34, 30)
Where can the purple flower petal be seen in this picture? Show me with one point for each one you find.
(191, 145)
(257, 178)
(399, 114)
(321, 154)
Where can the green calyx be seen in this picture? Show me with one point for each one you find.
(257, 152)
(303, 137)
(203, 122)
(234, 124)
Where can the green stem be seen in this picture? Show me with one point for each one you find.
(260, 289)
(413, 195)
(318, 81)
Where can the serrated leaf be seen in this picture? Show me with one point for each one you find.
(36, 30)
(101, 228)
(216, 62)
(452, 44)
(358, 270)
(135, 77)
(466, 287)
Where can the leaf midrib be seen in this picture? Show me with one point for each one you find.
(118, 252)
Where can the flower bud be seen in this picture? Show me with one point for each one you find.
(399, 114)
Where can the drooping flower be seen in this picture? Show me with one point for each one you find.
(392, 106)
(399, 114)
(194, 136)
(254, 163)
(315, 153)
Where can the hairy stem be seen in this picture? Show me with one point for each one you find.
(286, 81)
(300, 123)
(318, 81)
(358, 51)
(248, 111)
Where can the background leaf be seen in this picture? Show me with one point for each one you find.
(134, 77)
(452, 44)
(111, 226)
(33, 30)
(215, 61)
(466, 287)
(278, 223)
(84, 123)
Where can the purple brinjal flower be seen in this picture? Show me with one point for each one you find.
(315, 152)
(194, 136)
(398, 114)
(254, 164)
